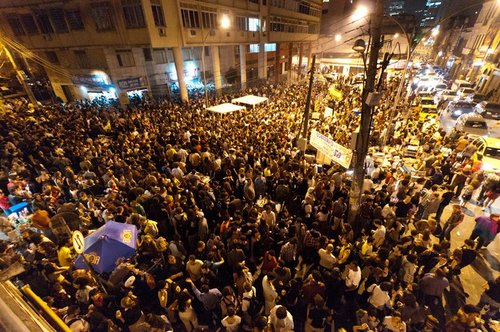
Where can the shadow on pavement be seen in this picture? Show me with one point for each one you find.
(481, 267)
(492, 260)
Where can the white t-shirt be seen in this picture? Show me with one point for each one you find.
(231, 324)
(326, 260)
(378, 297)
(353, 278)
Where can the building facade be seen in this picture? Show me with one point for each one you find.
(122, 47)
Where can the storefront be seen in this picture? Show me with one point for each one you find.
(95, 85)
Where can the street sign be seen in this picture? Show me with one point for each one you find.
(78, 242)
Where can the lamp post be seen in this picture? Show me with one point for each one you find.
(369, 99)
(224, 24)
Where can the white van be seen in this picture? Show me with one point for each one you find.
(457, 84)
(473, 124)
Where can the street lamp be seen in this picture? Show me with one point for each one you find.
(224, 24)
(360, 12)
(359, 46)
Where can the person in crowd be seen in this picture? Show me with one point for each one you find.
(237, 227)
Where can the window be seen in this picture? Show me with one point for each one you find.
(190, 18)
(132, 12)
(270, 47)
(254, 48)
(158, 16)
(74, 19)
(125, 58)
(186, 54)
(44, 23)
(147, 54)
(160, 55)
(15, 25)
(253, 24)
(102, 14)
(241, 23)
(52, 57)
(57, 19)
(29, 24)
(82, 59)
(209, 20)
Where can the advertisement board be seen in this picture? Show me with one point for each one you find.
(331, 149)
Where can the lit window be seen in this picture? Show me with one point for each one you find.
(253, 24)
(270, 47)
(254, 48)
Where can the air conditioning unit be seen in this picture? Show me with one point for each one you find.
(192, 33)
(211, 32)
(162, 32)
(47, 37)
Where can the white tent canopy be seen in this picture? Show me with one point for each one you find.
(250, 100)
(225, 108)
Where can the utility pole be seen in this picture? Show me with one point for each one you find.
(363, 137)
(308, 99)
(20, 75)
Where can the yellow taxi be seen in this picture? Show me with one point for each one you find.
(427, 109)
(489, 149)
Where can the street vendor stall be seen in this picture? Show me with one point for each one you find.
(250, 100)
(225, 108)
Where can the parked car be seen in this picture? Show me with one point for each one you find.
(472, 124)
(443, 95)
(427, 109)
(457, 84)
(464, 93)
(491, 113)
(489, 149)
(450, 114)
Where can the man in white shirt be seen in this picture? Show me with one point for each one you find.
(378, 234)
(326, 258)
(352, 276)
(193, 267)
(269, 217)
(281, 319)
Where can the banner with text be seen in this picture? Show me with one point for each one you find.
(332, 150)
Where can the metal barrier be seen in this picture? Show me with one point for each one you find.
(46, 309)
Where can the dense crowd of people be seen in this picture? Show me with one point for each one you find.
(238, 229)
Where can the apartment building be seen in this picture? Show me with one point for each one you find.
(123, 47)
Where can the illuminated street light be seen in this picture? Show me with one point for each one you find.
(338, 37)
(396, 35)
(225, 22)
(360, 12)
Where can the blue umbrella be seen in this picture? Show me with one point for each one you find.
(106, 245)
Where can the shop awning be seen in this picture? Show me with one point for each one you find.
(225, 108)
(250, 100)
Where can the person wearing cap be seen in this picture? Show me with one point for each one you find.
(485, 230)
(455, 218)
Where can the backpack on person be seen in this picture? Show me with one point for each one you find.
(254, 306)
